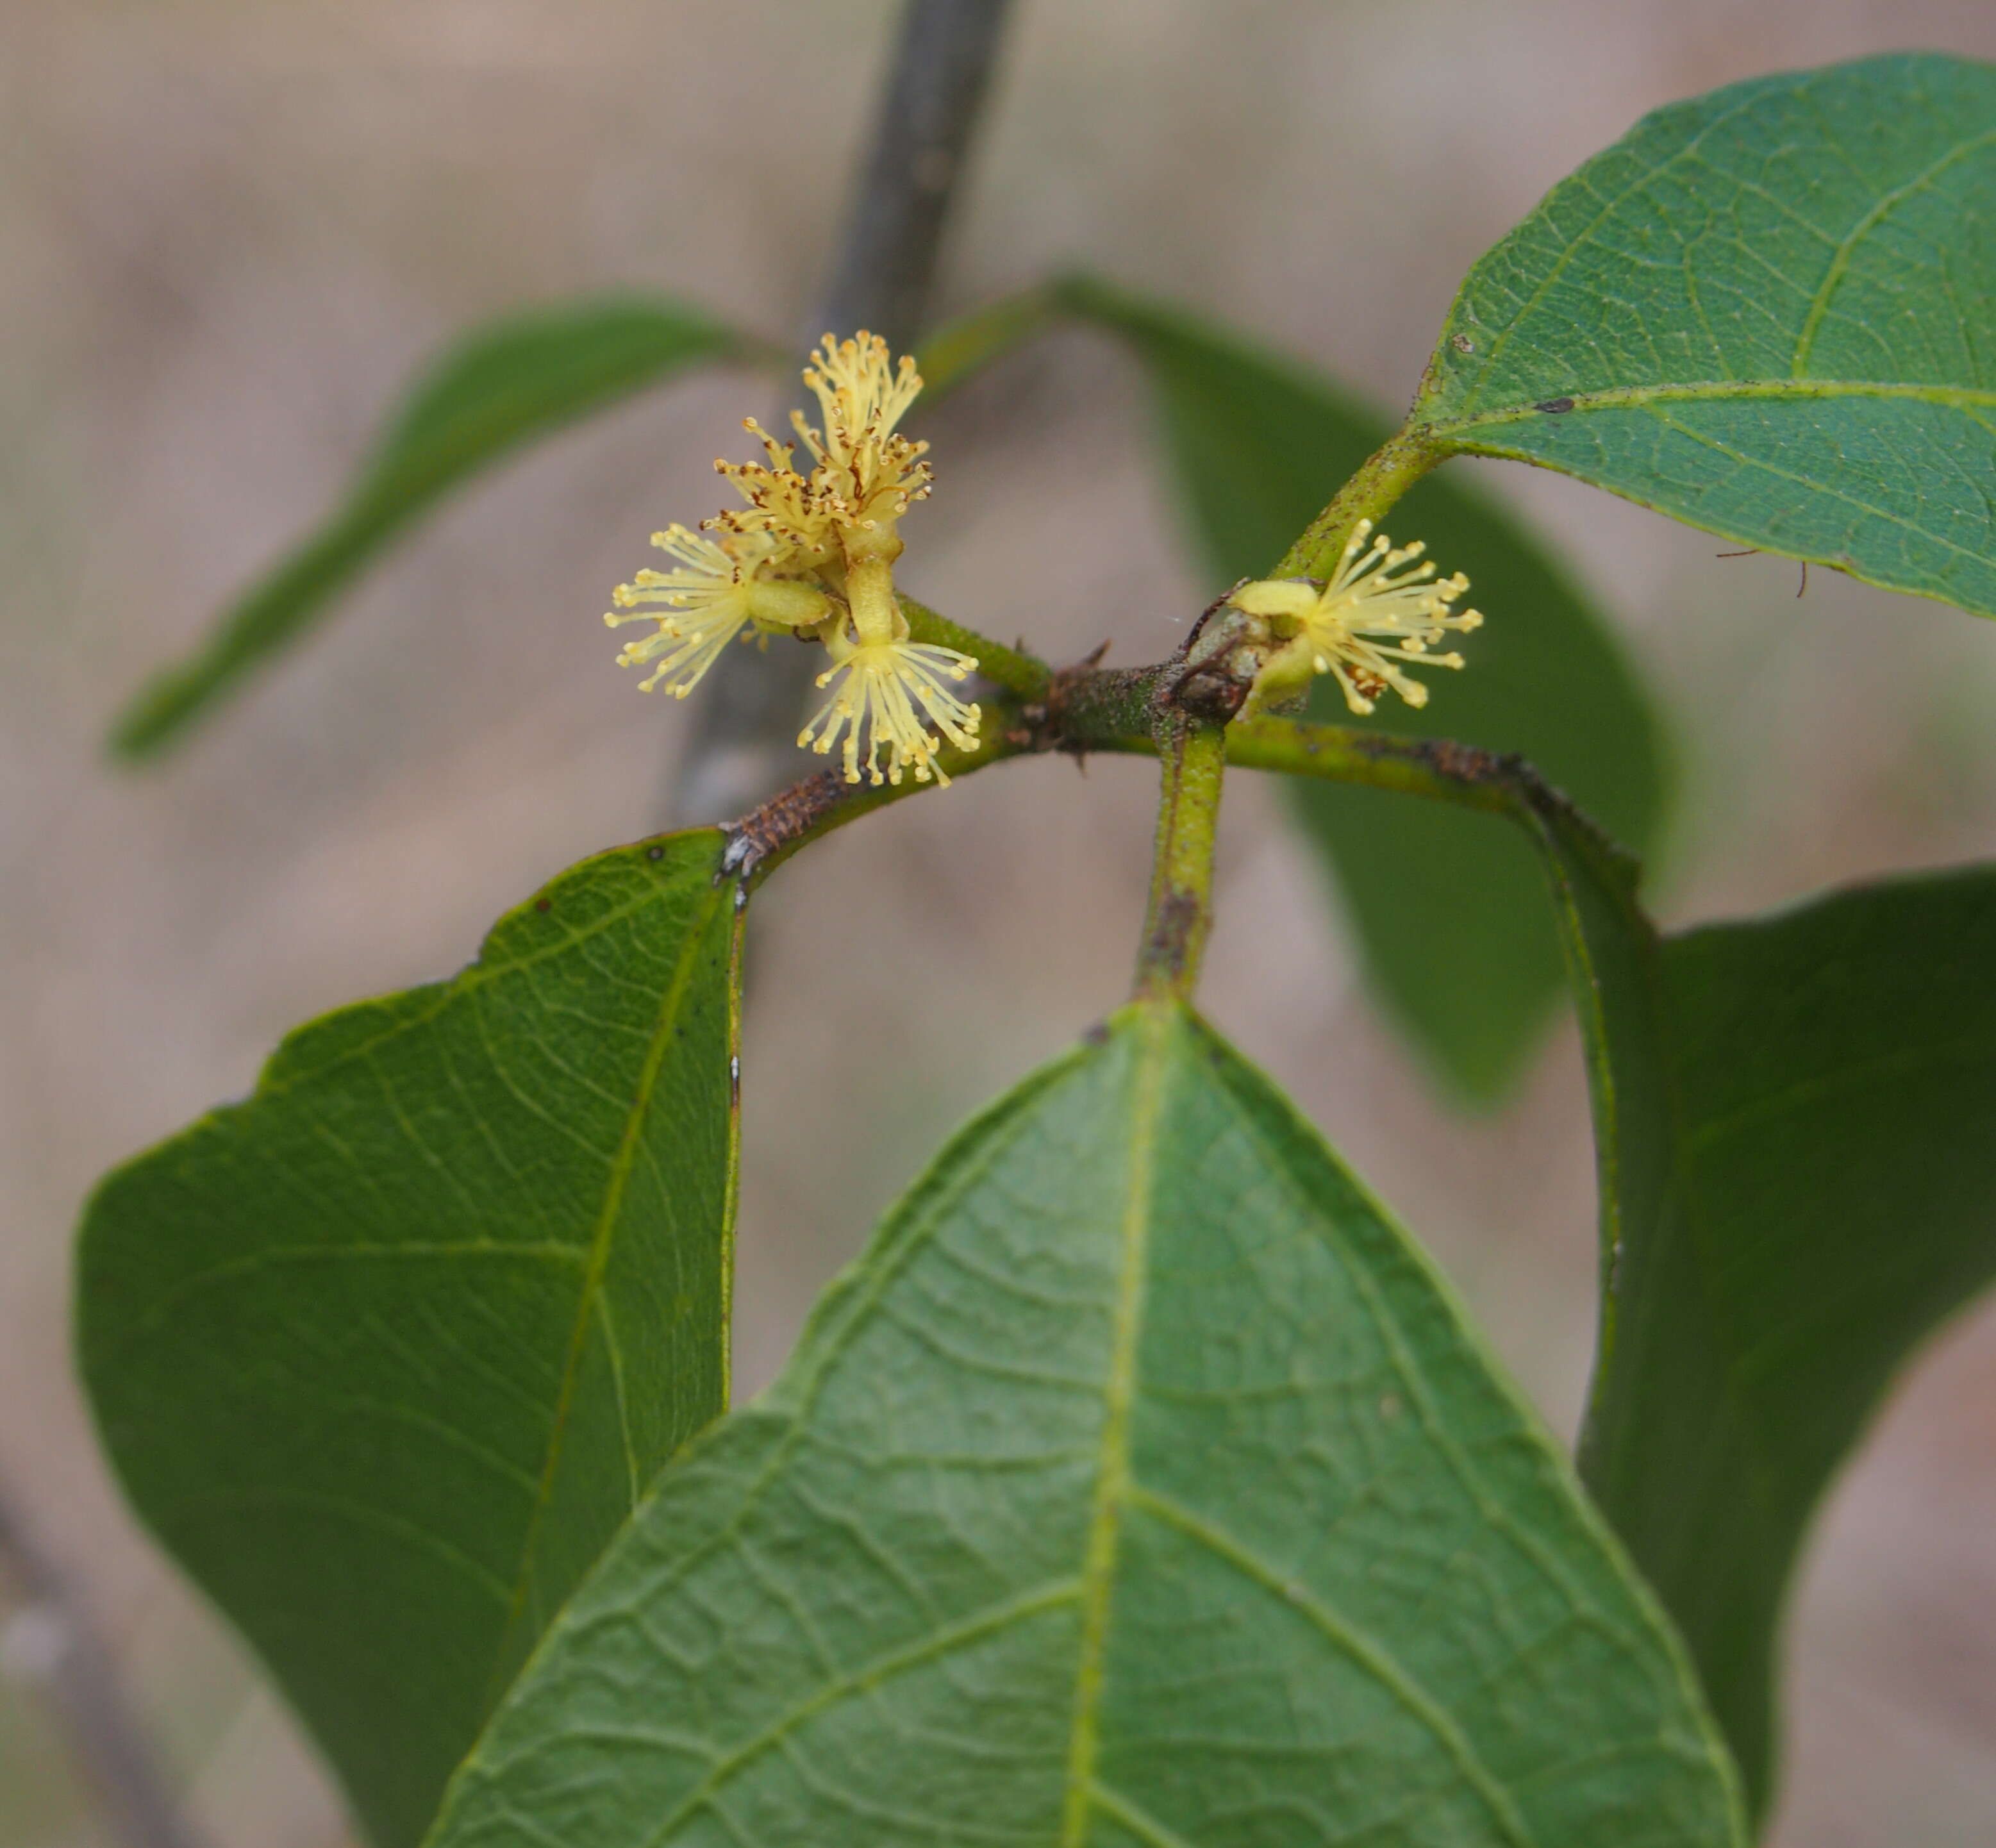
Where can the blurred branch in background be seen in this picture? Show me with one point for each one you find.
(744, 734)
(886, 259)
(48, 1641)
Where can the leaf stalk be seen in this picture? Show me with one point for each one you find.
(1178, 918)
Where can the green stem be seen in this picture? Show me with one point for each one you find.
(1461, 774)
(1086, 710)
(1012, 669)
(794, 818)
(1465, 775)
(1179, 916)
(1381, 480)
(1111, 709)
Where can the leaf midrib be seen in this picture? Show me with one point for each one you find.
(1694, 147)
(1707, 390)
(1164, 1042)
(602, 1239)
(1118, 1493)
(1112, 1481)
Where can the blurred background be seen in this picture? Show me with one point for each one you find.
(228, 232)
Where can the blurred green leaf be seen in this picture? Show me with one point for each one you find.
(1450, 907)
(500, 388)
(961, 349)
(1141, 1485)
(1798, 1183)
(385, 1354)
(1770, 312)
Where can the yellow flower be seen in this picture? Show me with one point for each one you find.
(815, 554)
(1379, 609)
(881, 684)
(713, 595)
(799, 520)
(863, 395)
(864, 475)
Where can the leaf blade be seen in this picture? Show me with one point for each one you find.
(1733, 1381)
(1077, 1516)
(510, 382)
(1775, 326)
(385, 1352)
(1710, 1468)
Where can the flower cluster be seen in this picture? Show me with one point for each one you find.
(812, 554)
(1379, 609)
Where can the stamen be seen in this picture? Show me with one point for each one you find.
(1383, 605)
(875, 709)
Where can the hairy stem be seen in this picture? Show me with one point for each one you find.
(794, 818)
(1089, 707)
(1178, 918)
(1014, 668)
(1382, 480)
(1132, 711)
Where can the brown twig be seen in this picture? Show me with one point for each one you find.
(50, 1639)
(1087, 708)
(744, 729)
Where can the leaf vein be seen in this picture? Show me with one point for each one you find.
(1356, 1647)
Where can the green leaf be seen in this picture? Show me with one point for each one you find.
(385, 1354)
(1141, 1485)
(1768, 312)
(1450, 907)
(509, 383)
(959, 350)
(1798, 1184)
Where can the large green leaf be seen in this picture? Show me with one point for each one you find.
(515, 379)
(1771, 312)
(1450, 907)
(385, 1354)
(1798, 1182)
(1142, 1485)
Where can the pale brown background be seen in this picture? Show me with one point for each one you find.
(228, 230)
